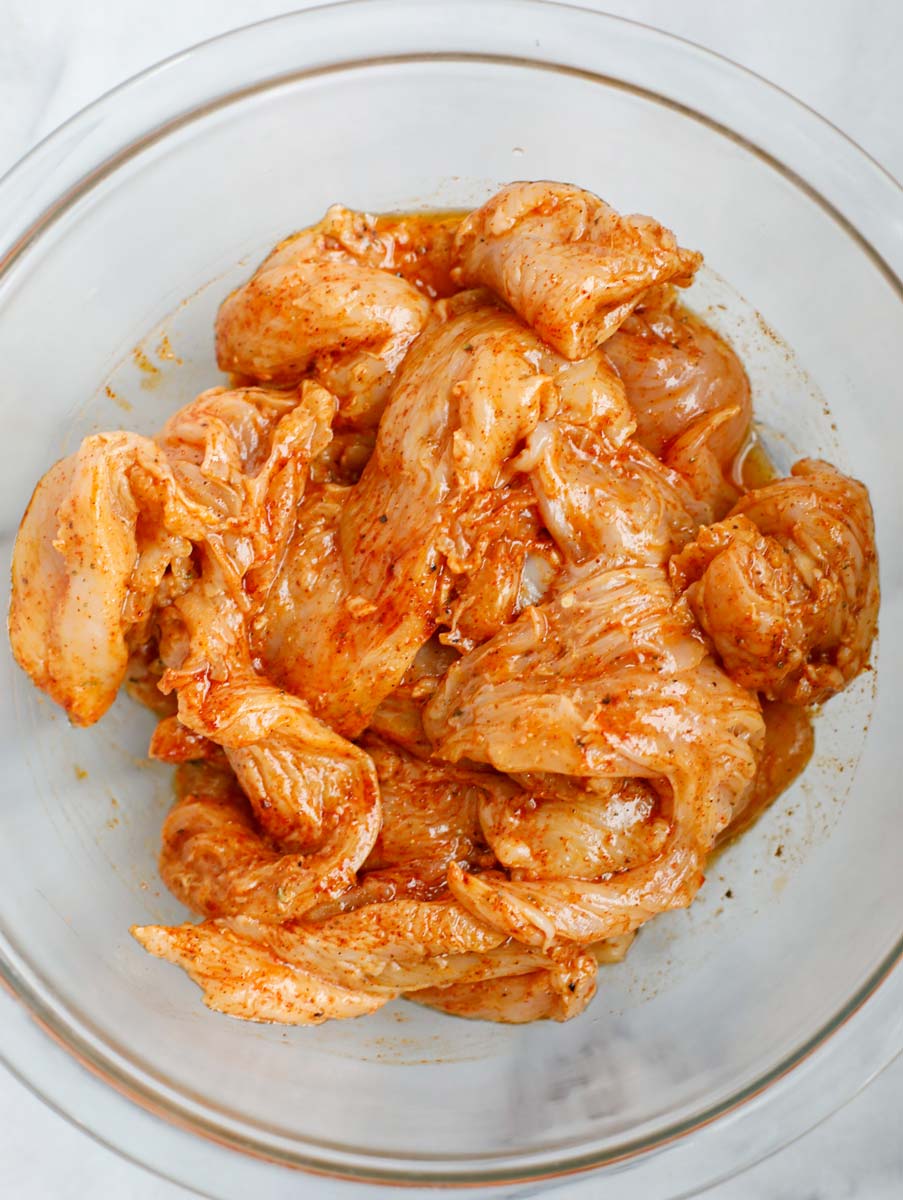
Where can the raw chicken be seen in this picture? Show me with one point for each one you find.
(303, 972)
(430, 819)
(566, 262)
(248, 980)
(558, 826)
(598, 499)
(402, 944)
(676, 370)
(606, 679)
(108, 536)
(502, 559)
(466, 642)
(557, 994)
(787, 585)
(328, 300)
(310, 789)
(73, 566)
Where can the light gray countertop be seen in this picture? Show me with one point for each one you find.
(843, 57)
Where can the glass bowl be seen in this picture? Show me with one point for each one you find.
(730, 1028)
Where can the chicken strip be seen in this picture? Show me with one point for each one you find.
(329, 300)
(310, 789)
(676, 370)
(247, 453)
(303, 973)
(606, 679)
(552, 827)
(216, 860)
(72, 574)
(401, 944)
(566, 262)
(786, 586)
(502, 559)
(556, 994)
(248, 980)
(429, 818)
(109, 534)
(599, 499)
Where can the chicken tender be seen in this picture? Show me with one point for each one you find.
(787, 585)
(566, 262)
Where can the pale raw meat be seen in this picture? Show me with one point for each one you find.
(466, 638)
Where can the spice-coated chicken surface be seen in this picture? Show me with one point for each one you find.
(467, 639)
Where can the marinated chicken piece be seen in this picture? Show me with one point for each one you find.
(327, 300)
(328, 636)
(245, 455)
(303, 973)
(691, 456)
(592, 396)
(216, 861)
(404, 943)
(557, 994)
(364, 584)
(566, 262)
(789, 744)
(85, 576)
(541, 913)
(109, 533)
(502, 559)
(572, 831)
(601, 492)
(499, 550)
(607, 679)
(429, 818)
(399, 718)
(599, 499)
(392, 966)
(310, 790)
(173, 742)
(677, 369)
(786, 586)
(604, 637)
(247, 980)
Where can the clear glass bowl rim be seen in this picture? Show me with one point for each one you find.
(858, 193)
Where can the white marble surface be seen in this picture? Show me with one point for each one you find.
(843, 57)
